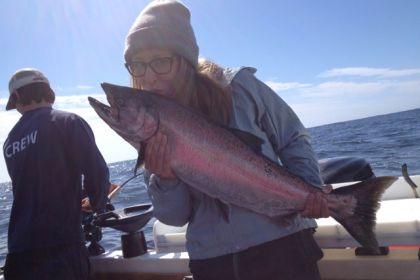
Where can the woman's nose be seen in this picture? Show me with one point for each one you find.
(149, 77)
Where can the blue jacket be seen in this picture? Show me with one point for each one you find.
(260, 111)
(46, 154)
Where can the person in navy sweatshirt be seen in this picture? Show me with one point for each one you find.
(51, 156)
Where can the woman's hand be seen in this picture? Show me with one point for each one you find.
(157, 157)
(316, 205)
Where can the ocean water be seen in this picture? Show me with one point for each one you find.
(385, 141)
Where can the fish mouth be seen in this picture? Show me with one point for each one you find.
(104, 111)
(111, 114)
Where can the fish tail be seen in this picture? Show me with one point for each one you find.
(360, 220)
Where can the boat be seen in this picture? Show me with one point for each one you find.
(397, 230)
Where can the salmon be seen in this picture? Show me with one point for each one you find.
(211, 158)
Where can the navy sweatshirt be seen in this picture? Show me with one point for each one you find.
(49, 154)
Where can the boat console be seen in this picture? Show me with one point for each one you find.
(130, 221)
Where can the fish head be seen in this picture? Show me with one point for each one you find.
(130, 112)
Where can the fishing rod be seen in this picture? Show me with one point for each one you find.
(118, 188)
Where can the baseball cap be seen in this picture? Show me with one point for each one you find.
(21, 78)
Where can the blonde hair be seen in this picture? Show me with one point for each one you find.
(200, 89)
(213, 71)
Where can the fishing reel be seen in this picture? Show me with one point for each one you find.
(92, 224)
(92, 232)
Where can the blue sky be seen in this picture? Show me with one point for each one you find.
(330, 60)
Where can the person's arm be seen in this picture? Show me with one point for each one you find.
(289, 139)
(90, 162)
(285, 131)
(292, 140)
(170, 198)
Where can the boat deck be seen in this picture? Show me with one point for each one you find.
(398, 226)
(337, 264)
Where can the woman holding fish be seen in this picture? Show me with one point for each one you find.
(224, 241)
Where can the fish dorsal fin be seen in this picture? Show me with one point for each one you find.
(252, 141)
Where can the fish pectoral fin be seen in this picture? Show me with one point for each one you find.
(224, 209)
(252, 141)
(140, 157)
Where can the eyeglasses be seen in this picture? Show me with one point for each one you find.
(161, 65)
